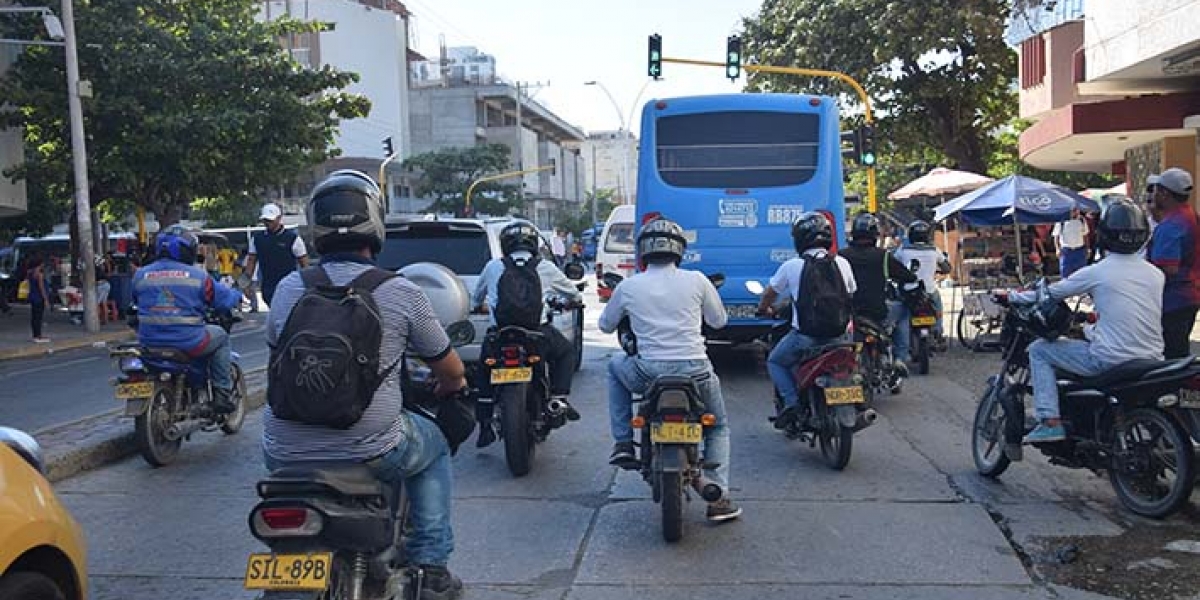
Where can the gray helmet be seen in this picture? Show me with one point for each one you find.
(661, 238)
(346, 208)
(519, 235)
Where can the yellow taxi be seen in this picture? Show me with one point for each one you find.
(42, 554)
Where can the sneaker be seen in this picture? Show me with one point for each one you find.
(440, 584)
(223, 402)
(568, 411)
(900, 368)
(1046, 433)
(787, 417)
(487, 434)
(723, 510)
(41, 340)
(623, 455)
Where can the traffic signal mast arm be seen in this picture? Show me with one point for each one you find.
(552, 167)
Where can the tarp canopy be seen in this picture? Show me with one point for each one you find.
(1018, 199)
(940, 182)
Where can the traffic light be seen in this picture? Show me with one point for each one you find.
(387, 147)
(733, 57)
(850, 146)
(866, 145)
(655, 58)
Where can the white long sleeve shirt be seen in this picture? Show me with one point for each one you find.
(666, 305)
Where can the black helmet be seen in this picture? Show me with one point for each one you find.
(919, 232)
(346, 209)
(519, 235)
(661, 238)
(812, 230)
(865, 227)
(178, 244)
(1123, 228)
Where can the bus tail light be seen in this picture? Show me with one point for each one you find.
(650, 216)
(833, 224)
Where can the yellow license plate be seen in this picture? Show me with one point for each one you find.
(676, 433)
(858, 347)
(924, 321)
(141, 389)
(844, 395)
(520, 375)
(288, 571)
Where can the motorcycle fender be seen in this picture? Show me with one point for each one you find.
(847, 415)
(136, 407)
(1190, 419)
(670, 459)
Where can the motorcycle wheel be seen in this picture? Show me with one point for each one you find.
(233, 421)
(518, 435)
(923, 355)
(987, 435)
(836, 441)
(579, 340)
(150, 430)
(672, 505)
(1148, 447)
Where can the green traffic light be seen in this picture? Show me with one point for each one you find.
(868, 159)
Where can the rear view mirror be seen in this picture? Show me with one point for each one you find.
(755, 287)
(717, 279)
(574, 271)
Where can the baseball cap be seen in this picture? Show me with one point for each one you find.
(1174, 179)
(270, 212)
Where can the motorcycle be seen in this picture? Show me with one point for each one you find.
(169, 394)
(922, 315)
(874, 345)
(1136, 421)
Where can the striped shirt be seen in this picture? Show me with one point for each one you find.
(409, 322)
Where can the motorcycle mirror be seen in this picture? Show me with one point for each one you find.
(612, 280)
(717, 279)
(755, 287)
(574, 271)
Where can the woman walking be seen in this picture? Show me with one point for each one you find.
(39, 299)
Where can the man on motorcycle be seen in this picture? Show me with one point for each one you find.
(666, 307)
(346, 214)
(1127, 294)
(812, 235)
(172, 294)
(873, 267)
(519, 242)
(930, 261)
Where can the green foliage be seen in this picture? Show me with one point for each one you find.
(191, 100)
(445, 175)
(579, 218)
(226, 212)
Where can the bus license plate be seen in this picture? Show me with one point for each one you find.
(924, 321)
(141, 389)
(844, 395)
(676, 433)
(741, 311)
(288, 571)
(519, 375)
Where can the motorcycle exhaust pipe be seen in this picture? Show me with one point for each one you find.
(183, 429)
(865, 419)
(708, 490)
(556, 407)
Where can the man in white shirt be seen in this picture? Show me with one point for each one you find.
(666, 306)
(1070, 237)
(929, 262)
(812, 235)
(558, 246)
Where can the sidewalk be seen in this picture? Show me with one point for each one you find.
(15, 334)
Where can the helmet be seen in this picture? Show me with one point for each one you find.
(812, 230)
(865, 227)
(1123, 228)
(918, 232)
(661, 238)
(519, 235)
(178, 244)
(346, 208)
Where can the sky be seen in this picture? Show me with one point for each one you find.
(568, 42)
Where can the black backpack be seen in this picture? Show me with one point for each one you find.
(519, 294)
(325, 367)
(823, 305)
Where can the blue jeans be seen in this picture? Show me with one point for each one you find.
(1070, 355)
(793, 349)
(899, 316)
(629, 375)
(220, 358)
(1071, 260)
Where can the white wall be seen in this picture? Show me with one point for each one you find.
(1119, 34)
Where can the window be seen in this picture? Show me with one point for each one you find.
(464, 251)
(737, 149)
(1033, 61)
(620, 238)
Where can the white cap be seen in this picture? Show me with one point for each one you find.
(270, 212)
(1174, 179)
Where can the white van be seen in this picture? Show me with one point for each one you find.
(616, 251)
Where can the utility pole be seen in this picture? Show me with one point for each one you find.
(595, 200)
(83, 204)
(522, 88)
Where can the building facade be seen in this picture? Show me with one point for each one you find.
(463, 65)
(608, 156)
(13, 201)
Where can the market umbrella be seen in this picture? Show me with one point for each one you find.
(940, 182)
(1016, 199)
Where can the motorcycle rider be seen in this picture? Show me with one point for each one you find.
(930, 261)
(346, 214)
(873, 267)
(519, 241)
(666, 306)
(172, 294)
(1127, 293)
(812, 235)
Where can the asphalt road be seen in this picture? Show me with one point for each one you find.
(908, 518)
(67, 386)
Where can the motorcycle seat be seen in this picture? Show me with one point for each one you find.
(1130, 370)
(672, 382)
(345, 479)
(174, 355)
(514, 329)
(867, 324)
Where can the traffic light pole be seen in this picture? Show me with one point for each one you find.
(471, 188)
(862, 95)
(383, 180)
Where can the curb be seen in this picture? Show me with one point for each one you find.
(33, 350)
(95, 441)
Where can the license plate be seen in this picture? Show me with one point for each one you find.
(924, 321)
(520, 375)
(844, 395)
(288, 571)
(141, 389)
(741, 311)
(676, 433)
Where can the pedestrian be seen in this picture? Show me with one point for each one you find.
(276, 250)
(1174, 248)
(39, 298)
(1070, 238)
(558, 245)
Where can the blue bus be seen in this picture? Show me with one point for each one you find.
(735, 171)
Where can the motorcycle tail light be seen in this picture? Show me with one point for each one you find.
(674, 418)
(708, 419)
(638, 422)
(491, 362)
(870, 339)
(535, 359)
(288, 521)
(511, 356)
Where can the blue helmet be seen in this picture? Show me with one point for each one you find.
(177, 243)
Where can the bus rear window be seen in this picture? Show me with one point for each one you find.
(620, 239)
(737, 149)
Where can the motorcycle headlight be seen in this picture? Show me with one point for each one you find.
(461, 333)
(131, 364)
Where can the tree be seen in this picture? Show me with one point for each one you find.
(446, 174)
(191, 99)
(226, 212)
(939, 74)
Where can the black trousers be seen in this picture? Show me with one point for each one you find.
(1177, 331)
(558, 352)
(36, 314)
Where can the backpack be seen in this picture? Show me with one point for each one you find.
(519, 294)
(823, 305)
(324, 369)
